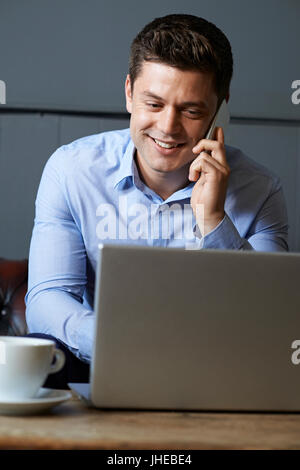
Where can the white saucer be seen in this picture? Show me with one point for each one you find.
(46, 398)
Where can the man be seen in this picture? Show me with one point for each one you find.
(128, 186)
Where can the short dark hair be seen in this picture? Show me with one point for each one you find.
(187, 42)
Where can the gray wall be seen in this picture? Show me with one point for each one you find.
(72, 55)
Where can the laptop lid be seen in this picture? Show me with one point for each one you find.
(197, 330)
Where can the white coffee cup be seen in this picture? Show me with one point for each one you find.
(25, 364)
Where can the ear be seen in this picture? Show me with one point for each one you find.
(128, 94)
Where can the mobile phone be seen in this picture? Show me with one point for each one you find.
(221, 119)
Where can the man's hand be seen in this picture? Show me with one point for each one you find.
(212, 173)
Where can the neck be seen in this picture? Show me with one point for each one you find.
(163, 183)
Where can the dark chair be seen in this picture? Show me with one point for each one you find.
(13, 287)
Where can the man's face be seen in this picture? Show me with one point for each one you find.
(172, 106)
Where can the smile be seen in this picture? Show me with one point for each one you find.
(166, 147)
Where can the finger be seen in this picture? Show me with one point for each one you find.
(215, 147)
(208, 145)
(198, 165)
(206, 156)
(205, 167)
(220, 135)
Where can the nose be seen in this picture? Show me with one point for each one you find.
(169, 122)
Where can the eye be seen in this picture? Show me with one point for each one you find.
(153, 105)
(193, 113)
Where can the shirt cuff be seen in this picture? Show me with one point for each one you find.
(85, 337)
(224, 236)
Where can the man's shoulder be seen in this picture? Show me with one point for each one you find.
(99, 141)
(105, 148)
(245, 169)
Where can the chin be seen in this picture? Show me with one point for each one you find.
(165, 167)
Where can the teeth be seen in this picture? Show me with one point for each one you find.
(164, 145)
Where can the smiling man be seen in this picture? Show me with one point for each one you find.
(159, 183)
(170, 111)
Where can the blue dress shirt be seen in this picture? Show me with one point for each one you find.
(91, 192)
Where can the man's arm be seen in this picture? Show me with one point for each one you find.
(268, 231)
(269, 227)
(57, 268)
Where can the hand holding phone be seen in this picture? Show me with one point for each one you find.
(210, 172)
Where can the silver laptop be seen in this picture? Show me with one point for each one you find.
(195, 330)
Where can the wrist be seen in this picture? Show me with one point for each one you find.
(207, 225)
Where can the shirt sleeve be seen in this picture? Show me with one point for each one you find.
(268, 231)
(57, 269)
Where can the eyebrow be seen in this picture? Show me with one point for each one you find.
(200, 104)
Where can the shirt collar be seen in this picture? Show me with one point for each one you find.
(184, 193)
(126, 168)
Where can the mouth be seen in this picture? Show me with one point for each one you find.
(166, 148)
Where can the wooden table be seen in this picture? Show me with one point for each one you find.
(73, 426)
